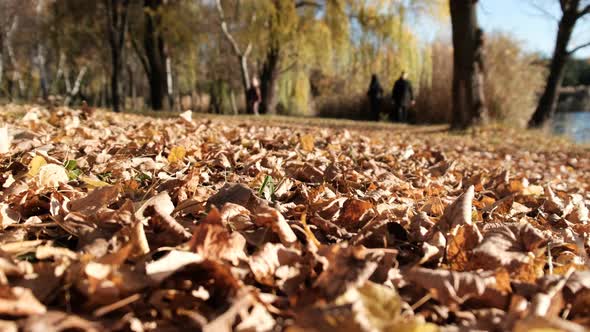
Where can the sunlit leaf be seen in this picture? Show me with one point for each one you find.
(307, 142)
(177, 154)
(35, 165)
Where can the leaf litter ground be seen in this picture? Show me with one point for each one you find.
(130, 223)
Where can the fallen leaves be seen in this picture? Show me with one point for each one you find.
(119, 222)
(35, 165)
(5, 140)
(307, 142)
(18, 301)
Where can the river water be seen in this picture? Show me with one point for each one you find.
(575, 125)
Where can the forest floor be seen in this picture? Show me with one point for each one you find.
(128, 222)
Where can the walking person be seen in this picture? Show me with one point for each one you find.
(375, 94)
(403, 97)
(253, 97)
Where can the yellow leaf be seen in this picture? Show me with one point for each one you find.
(307, 142)
(35, 165)
(176, 154)
(92, 183)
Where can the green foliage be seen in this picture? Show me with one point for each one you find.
(267, 189)
(71, 167)
(106, 176)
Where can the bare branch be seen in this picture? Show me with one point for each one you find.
(225, 30)
(289, 67)
(544, 11)
(304, 3)
(142, 58)
(248, 50)
(577, 48)
(242, 56)
(584, 11)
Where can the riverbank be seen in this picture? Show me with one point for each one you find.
(574, 99)
(252, 223)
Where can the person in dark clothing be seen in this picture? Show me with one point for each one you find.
(403, 97)
(375, 94)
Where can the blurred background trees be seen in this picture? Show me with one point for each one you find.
(312, 57)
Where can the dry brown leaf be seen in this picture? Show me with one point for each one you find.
(507, 245)
(18, 301)
(8, 216)
(267, 261)
(460, 247)
(344, 268)
(175, 260)
(213, 241)
(59, 321)
(454, 288)
(352, 213)
(96, 199)
(307, 142)
(458, 213)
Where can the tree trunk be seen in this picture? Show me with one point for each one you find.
(115, 76)
(12, 59)
(234, 106)
(67, 81)
(40, 56)
(132, 89)
(549, 98)
(269, 80)
(468, 95)
(154, 49)
(169, 83)
(241, 55)
(117, 14)
(59, 74)
(77, 85)
(40, 59)
(1, 63)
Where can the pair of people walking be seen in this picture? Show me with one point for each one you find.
(402, 96)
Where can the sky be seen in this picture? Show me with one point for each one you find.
(534, 26)
(534, 22)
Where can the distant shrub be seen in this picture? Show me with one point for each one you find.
(514, 80)
(345, 107)
(512, 83)
(434, 103)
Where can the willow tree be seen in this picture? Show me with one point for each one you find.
(282, 34)
(384, 40)
(345, 40)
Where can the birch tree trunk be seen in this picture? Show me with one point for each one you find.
(16, 75)
(77, 84)
(242, 55)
